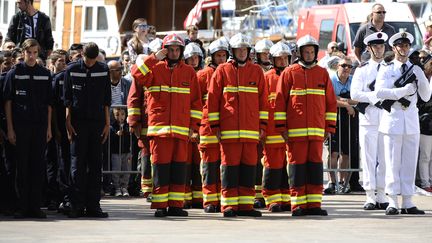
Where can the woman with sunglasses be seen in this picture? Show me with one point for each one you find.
(139, 42)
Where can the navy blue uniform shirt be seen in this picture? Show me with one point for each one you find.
(30, 90)
(87, 90)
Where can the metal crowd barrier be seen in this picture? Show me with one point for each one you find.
(328, 166)
(108, 161)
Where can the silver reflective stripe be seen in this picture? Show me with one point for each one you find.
(22, 76)
(61, 82)
(83, 75)
(100, 74)
(40, 77)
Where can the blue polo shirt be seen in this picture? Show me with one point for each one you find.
(338, 86)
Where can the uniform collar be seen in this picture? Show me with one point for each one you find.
(398, 64)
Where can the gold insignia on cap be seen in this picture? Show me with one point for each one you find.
(404, 35)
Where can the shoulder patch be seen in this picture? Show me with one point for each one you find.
(363, 64)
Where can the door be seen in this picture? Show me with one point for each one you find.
(66, 33)
(77, 24)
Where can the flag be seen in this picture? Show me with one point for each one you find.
(194, 16)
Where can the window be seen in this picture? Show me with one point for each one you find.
(102, 21)
(326, 32)
(5, 12)
(88, 18)
(340, 35)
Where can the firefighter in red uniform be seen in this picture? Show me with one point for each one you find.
(193, 193)
(305, 96)
(174, 113)
(238, 114)
(275, 179)
(209, 144)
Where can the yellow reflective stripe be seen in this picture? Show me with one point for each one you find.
(280, 116)
(146, 181)
(134, 111)
(274, 139)
(197, 194)
(258, 188)
(259, 195)
(286, 197)
(229, 201)
(239, 134)
(298, 200)
(144, 131)
(219, 195)
(157, 130)
(164, 88)
(210, 197)
(213, 116)
(176, 196)
(233, 89)
(263, 115)
(208, 139)
(160, 197)
(331, 116)
(302, 132)
(196, 114)
(188, 196)
(312, 198)
(273, 198)
(272, 96)
(246, 200)
(205, 97)
(146, 189)
(316, 91)
(144, 69)
(307, 91)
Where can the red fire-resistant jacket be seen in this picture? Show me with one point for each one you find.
(237, 102)
(305, 103)
(173, 98)
(273, 138)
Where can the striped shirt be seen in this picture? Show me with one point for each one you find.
(116, 94)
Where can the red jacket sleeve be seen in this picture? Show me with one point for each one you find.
(282, 98)
(213, 98)
(263, 102)
(196, 104)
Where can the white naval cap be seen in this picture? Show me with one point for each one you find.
(375, 38)
(401, 37)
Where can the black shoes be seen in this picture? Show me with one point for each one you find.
(173, 211)
(286, 207)
(160, 213)
(357, 188)
(36, 214)
(298, 212)
(96, 213)
(210, 208)
(259, 203)
(381, 206)
(392, 211)
(331, 189)
(369, 206)
(229, 213)
(413, 210)
(249, 213)
(316, 211)
(275, 208)
(76, 213)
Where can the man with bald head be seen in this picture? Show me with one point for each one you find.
(375, 24)
(119, 85)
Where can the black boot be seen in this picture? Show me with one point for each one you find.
(173, 211)
(298, 212)
(160, 212)
(316, 211)
(230, 213)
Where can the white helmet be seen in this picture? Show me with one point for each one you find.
(239, 40)
(280, 49)
(307, 40)
(192, 49)
(155, 45)
(218, 45)
(263, 45)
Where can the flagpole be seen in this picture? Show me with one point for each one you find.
(173, 16)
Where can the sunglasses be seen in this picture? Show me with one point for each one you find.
(346, 65)
(334, 47)
(381, 12)
(143, 26)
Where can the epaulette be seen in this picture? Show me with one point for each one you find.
(388, 63)
(363, 64)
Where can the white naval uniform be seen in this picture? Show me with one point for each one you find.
(371, 152)
(400, 127)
